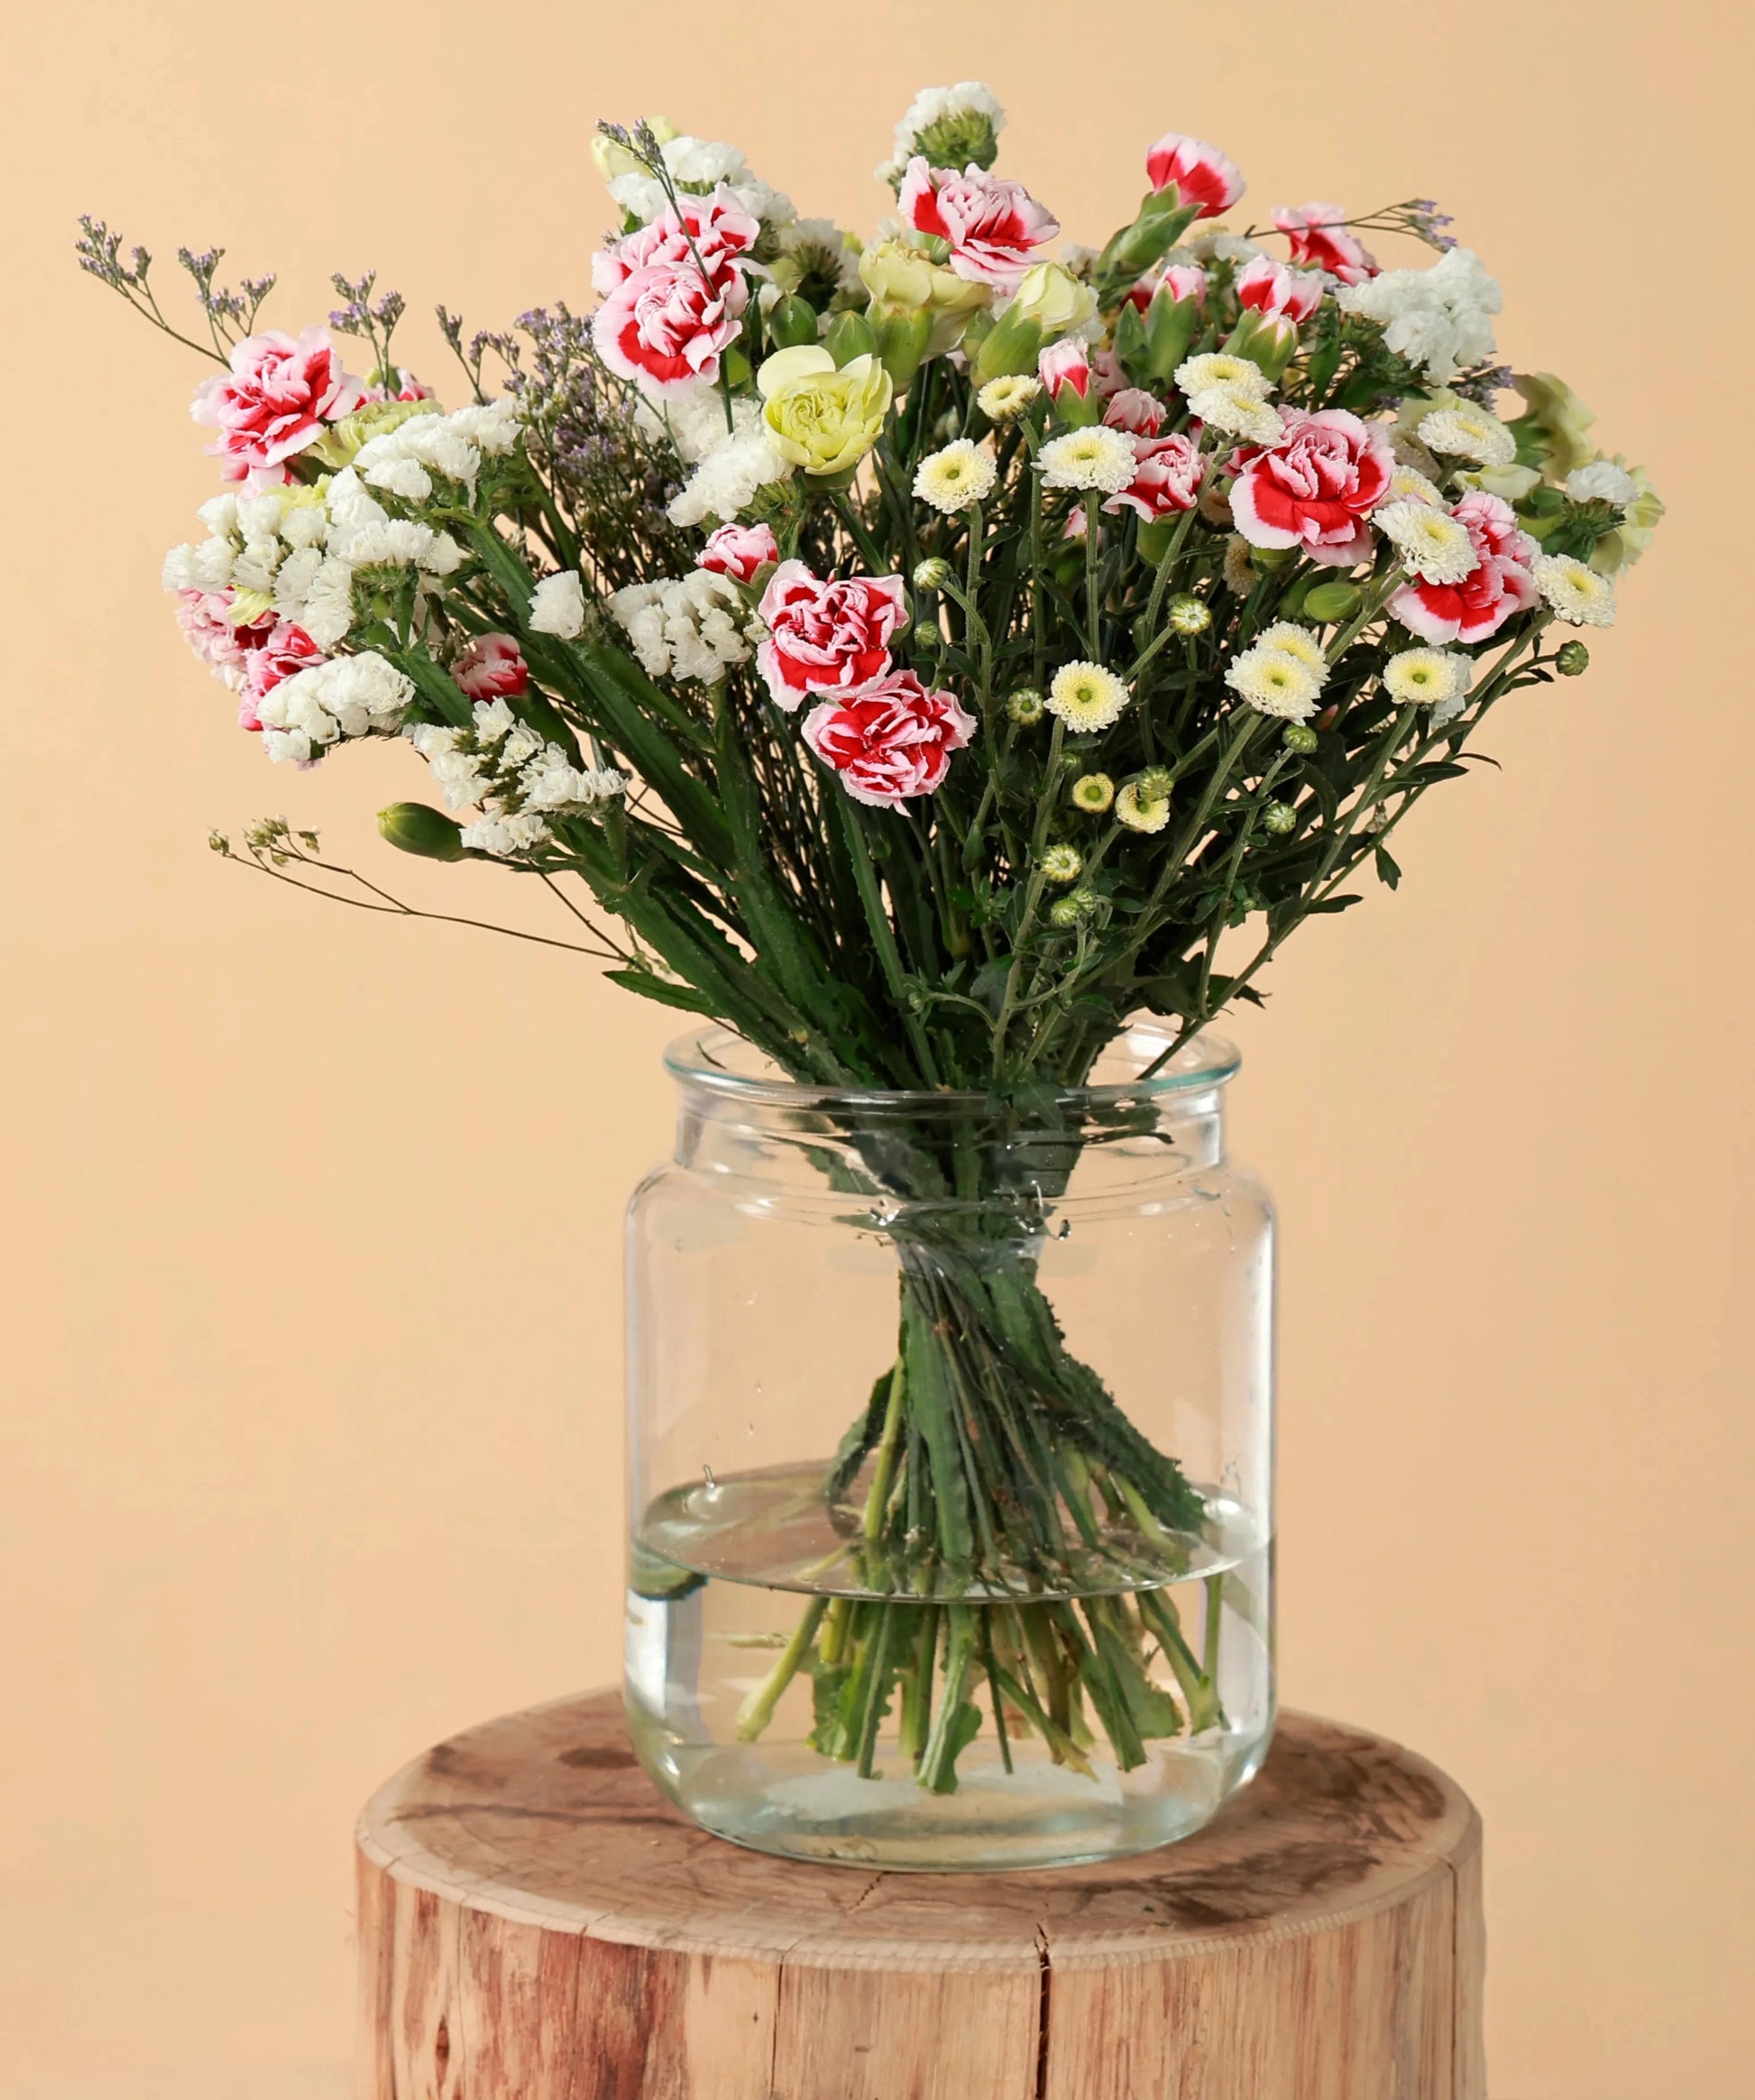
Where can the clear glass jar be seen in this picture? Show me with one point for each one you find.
(952, 1462)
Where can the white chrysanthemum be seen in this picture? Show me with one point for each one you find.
(962, 474)
(1407, 484)
(1431, 678)
(1433, 545)
(1221, 368)
(1300, 643)
(1578, 593)
(1001, 399)
(933, 106)
(1141, 811)
(1601, 482)
(1095, 458)
(1440, 318)
(696, 628)
(1274, 682)
(1086, 696)
(1468, 433)
(557, 606)
(1238, 411)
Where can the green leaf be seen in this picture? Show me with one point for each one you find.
(1387, 869)
(662, 990)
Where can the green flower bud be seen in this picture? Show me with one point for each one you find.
(849, 335)
(415, 828)
(928, 637)
(932, 574)
(1093, 792)
(1331, 601)
(1025, 707)
(1279, 817)
(1067, 911)
(953, 142)
(791, 320)
(1062, 864)
(1301, 738)
(1188, 615)
(1573, 660)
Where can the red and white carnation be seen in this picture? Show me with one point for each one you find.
(274, 401)
(1319, 241)
(1278, 292)
(715, 228)
(739, 550)
(1201, 174)
(1063, 364)
(492, 667)
(665, 326)
(1502, 583)
(1166, 477)
(890, 740)
(1133, 409)
(210, 630)
(282, 653)
(408, 388)
(992, 224)
(826, 637)
(1314, 488)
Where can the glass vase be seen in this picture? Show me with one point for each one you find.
(951, 1460)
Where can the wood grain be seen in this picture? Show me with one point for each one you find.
(536, 1922)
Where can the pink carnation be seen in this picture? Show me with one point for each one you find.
(273, 402)
(1278, 293)
(1320, 242)
(1314, 488)
(1133, 409)
(408, 388)
(992, 225)
(492, 667)
(285, 649)
(1201, 174)
(206, 620)
(1166, 478)
(739, 550)
(1500, 584)
(825, 636)
(666, 325)
(716, 228)
(1064, 364)
(890, 740)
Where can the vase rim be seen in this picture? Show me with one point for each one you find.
(722, 1062)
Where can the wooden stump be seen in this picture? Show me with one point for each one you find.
(537, 1923)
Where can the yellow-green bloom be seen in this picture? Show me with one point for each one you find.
(1094, 792)
(1054, 300)
(1562, 421)
(823, 420)
(342, 440)
(1140, 810)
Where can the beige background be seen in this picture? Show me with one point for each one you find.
(311, 1447)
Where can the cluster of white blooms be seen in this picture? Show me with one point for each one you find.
(1602, 480)
(696, 627)
(934, 106)
(557, 606)
(1281, 673)
(962, 474)
(1574, 591)
(1229, 393)
(504, 767)
(1441, 318)
(1433, 545)
(403, 460)
(1095, 458)
(702, 165)
(730, 467)
(350, 695)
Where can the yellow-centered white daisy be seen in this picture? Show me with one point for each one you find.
(1433, 545)
(1095, 458)
(1577, 592)
(1086, 696)
(953, 479)
(1429, 677)
(1001, 399)
(1468, 433)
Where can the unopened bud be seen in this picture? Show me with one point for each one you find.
(928, 637)
(851, 336)
(1573, 660)
(932, 574)
(1025, 707)
(1188, 615)
(415, 828)
(1279, 817)
(1331, 601)
(1301, 738)
(1067, 911)
(790, 322)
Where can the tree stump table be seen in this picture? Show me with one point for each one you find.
(537, 1922)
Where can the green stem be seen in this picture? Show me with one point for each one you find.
(758, 1710)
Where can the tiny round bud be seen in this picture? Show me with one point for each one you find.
(1301, 738)
(1188, 615)
(928, 637)
(1093, 792)
(933, 575)
(1279, 817)
(1025, 707)
(1331, 601)
(1067, 911)
(1573, 660)
(417, 829)
(1062, 864)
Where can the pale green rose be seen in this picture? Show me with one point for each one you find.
(342, 440)
(823, 420)
(1561, 419)
(611, 159)
(1513, 483)
(1622, 548)
(897, 274)
(1054, 300)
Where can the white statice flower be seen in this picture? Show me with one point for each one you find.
(1437, 678)
(1274, 681)
(1239, 412)
(1467, 432)
(1093, 459)
(404, 460)
(1441, 318)
(730, 470)
(520, 782)
(702, 165)
(462, 773)
(1086, 696)
(1222, 368)
(557, 606)
(1302, 644)
(1001, 399)
(396, 543)
(346, 697)
(505, 837)
(1433, 545)
(936, 105)
(1601, 482)
(695, 628)
(316, 591)
(958, 475)
(1578, 593)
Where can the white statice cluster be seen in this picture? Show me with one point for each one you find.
(1281, 673)
(701, 165)
(937, 106)
(402, 461)
(695, 627)
(730, 464)
(348, 696)
(1441, 318)
(519, 780)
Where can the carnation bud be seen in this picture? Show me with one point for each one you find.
(415, 828)
(1279, 817)
(932, 574)
(1331, 601)
(903, 334)
(1301, 738)
(849, 335)
(1573, 660)
(928, 637)
(1188, 615)
(792, 321)
(1025, 707)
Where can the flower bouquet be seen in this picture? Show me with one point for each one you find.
(921, 658)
